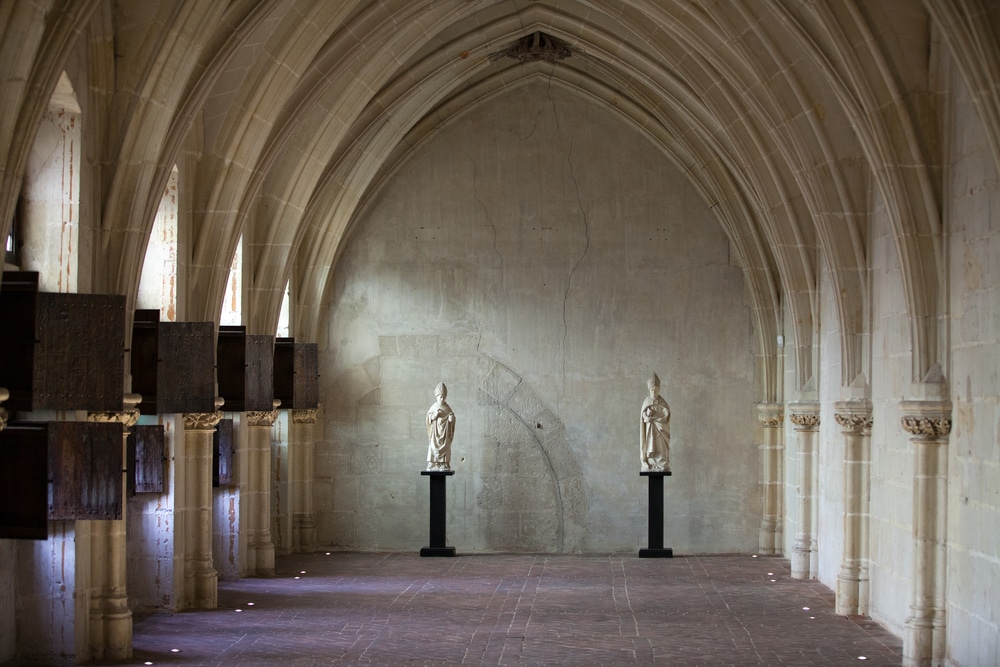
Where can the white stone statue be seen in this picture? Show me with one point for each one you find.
(440, 431)
(654, 432)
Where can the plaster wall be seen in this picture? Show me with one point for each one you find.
(891, 530)
(972, 211)
(152, 531)
(542, 259)
(831, 448)
(228, 541)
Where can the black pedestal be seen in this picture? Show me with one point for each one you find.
(655, 549)
(439, 515)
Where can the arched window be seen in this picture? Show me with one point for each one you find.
(232, 305)
(158, 282)
(49, 208)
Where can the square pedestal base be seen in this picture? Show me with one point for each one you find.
(656, 553)
(445, 552)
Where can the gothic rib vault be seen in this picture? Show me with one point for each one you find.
(829, 140)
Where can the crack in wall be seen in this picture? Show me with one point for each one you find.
(486, 211)
(586, 225)
(560, 530)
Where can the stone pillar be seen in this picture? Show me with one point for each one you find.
(805, 416)
(771, 416)
(855, 417)
(110, 616)
(929, 422)
(201, 581)
(257, 492)
(301, 441)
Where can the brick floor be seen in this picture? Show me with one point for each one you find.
(392, 609)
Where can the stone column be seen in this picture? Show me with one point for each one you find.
(201, 581)
(929, 422)
(257, 492)
(805, 416)
(301, 444)
(771, 416)
(109, 615)
(855, 417)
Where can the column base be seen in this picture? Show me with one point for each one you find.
(446, 552)
(656, 553)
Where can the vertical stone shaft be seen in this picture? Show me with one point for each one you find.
(300, 445)
(805, 416)
(200, 577)
(772, 482)
(929, 422)
(852, 581)
(260, 548)
(110, 616)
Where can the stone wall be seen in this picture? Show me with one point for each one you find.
(541, 259)
(972, 187)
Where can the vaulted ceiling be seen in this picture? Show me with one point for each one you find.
(794, 119)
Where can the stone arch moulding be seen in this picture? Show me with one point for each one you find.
(530, 493)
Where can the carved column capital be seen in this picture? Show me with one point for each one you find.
(854, 416)
(927, 420)
(805, 416)
(304, 416)
(261, 417)
(127, 417)
(770, 415)
(201, 421)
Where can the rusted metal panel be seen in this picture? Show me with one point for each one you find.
(306, 376)
(144, 355)
(260, 373)
(19, 305)
(80, 363)
(223, 447)
(296, 382)
(173, 364)
(231, 364)
(24, 482)
(146, 456)
(85, 470)
(245, 369)
(186, 378)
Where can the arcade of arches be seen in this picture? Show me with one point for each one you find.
(787, 210)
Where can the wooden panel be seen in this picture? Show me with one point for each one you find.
(223, 446)
(80, 362)
(231, 364)
(18, 303)
(296, 382)
(147, 448)
(24, 482)
(145, 354)
(306, 376)
(284, 371)
(260, 373)
(85, 469)
(186, 380)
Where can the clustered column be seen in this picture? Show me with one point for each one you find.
(200, 578)
(110, 615)
(855, 417)
(771, 416)
(805, 416)
(301, 447)
(257, 492)
(929, 422)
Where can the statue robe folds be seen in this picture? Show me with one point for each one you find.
(654, 435)
(440, 432)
